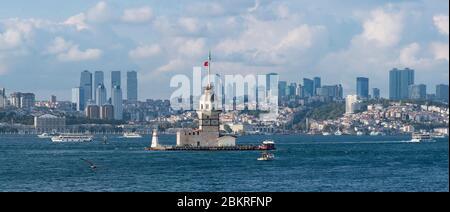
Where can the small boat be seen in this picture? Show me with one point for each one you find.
(374, 133)
(267, 145)
(325, 133)
(421, 137)
(265, 156)
(77, 138)
(132, 135)
(338, 133)
(359, 133)
(47, 135)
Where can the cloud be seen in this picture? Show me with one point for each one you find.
(190, 25)
(10, 39)
(383, 28)
(442, 24)
(440, 51)
(78, 21)
(143, 52)
(75, 54)
(67, 51)
(137, 15)
(99, 13)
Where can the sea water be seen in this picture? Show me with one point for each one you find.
(303, 163)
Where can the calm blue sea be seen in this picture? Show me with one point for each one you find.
(303, 163)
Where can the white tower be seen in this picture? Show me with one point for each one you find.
(155, 142)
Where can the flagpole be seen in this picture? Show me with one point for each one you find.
(209, 70)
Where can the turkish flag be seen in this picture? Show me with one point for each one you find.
(206, 63)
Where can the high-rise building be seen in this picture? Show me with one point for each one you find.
(53, 99)
(3, 102)
(362, 87)
(308, 87)
(442, 92)
(418, 92)
(299, 91)
(86, 84)
(78, 98)
(376, 93)
(22, 100)
(99, 79)
(352, 104)
(399, 82)
(117, 101)
(101, 98)
(107, 112)
(92, 111)
(115, 79)
(282, 87)
(132, 86)
(332, 91)
(292, 90)
(317, 84)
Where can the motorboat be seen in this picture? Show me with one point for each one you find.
(47, 135)
(265, 156)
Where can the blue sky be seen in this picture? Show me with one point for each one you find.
(45, 44)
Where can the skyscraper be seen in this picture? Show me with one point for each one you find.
(116, 100)
(86, 84)
(399, 82)
(282, 87)
(362, 87)
(317, 85)
(376, 93)
(78, 98)
(418, 92)
(101, 98)
(115, 79)
(442, 92)
(132, 86)
(99, 79)
(2, 98)
(352, 104)
(308, 87)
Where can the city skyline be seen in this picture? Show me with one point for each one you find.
(42, 53)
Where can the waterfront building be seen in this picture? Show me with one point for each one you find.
(107, 112)
(115, 79)
(376, 93)
(132, 86)
(362, 87)
(352, 104)
(101, 98)
(308, 87)
(78, 98)
(317, 85)
(49, 123)
(86, 84)
(399, 82)
(418, 92)
(99, 79)
(92, 111)
(117, 102)
(442, 92)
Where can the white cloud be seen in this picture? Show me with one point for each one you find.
(254, 8)
(67, 51)
(78, 21)
(442, 23)
(383, 28)
(10, 39)
(173, 65)
(99, 13)
(142, 52)
(75, 54)
(440, 51)
(137, 15)
(191, 47)
(191, 25)
(408, 55)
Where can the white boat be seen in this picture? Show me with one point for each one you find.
(47, 135)
(374, 133)
(421, 137)
(266, 157)
(132, 135)
(72, 138)
(325, 133)
(338, 133)
(359, 133)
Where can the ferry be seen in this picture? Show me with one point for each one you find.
(47, 135)
(265, 156)
(132, 135)
(78, 138)
(420, 137)
(267, 145)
